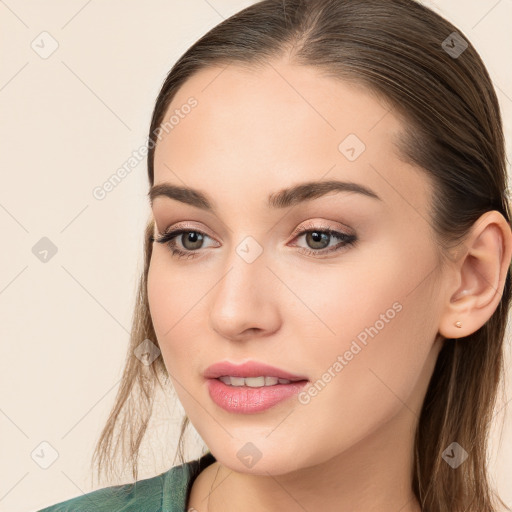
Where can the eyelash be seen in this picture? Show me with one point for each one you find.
(168, 239)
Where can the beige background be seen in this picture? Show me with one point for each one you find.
(70, 120)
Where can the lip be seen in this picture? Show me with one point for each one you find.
(245, 399)
(248, 369)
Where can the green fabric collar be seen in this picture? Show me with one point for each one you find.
(178, 483)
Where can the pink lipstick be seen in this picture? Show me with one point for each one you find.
(251, 387)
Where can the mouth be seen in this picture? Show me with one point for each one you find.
(256, 382)
(251, 374)
(247, 399)
(252, 386)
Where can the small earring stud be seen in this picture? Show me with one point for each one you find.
(458, 324)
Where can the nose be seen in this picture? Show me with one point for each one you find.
(244, 302)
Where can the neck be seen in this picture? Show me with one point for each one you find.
(373, 475)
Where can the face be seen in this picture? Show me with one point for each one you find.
(352, 310)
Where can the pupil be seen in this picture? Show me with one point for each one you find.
(193, 238)
(318, 238)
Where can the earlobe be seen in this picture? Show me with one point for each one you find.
(480, 273)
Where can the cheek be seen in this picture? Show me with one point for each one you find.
(176, 308)
(170, 294)
(377, 333)
(376, 310)
(160, 297)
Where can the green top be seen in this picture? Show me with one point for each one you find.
(167, 492)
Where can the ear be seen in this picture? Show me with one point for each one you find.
(480, 268)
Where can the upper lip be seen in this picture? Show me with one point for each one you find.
(248, 369)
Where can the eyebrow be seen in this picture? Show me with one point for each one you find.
(284, 198)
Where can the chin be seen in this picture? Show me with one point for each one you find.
(261, 458)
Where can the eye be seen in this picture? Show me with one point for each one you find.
(191, 240)
(319, 238)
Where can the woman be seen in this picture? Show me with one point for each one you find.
(326, 281)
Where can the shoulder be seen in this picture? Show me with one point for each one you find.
(143, 495)
(166, 492)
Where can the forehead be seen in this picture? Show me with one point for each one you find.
(288, 108)
(261, 129)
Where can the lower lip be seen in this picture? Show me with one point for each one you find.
(245, 399)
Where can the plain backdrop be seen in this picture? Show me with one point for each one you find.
(78, 82)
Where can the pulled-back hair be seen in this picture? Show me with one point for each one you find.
(407, 55)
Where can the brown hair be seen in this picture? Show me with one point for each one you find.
(398, 50)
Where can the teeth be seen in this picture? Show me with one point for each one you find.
(253, 382)
(236, 381)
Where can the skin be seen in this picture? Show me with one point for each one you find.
(351, 447)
